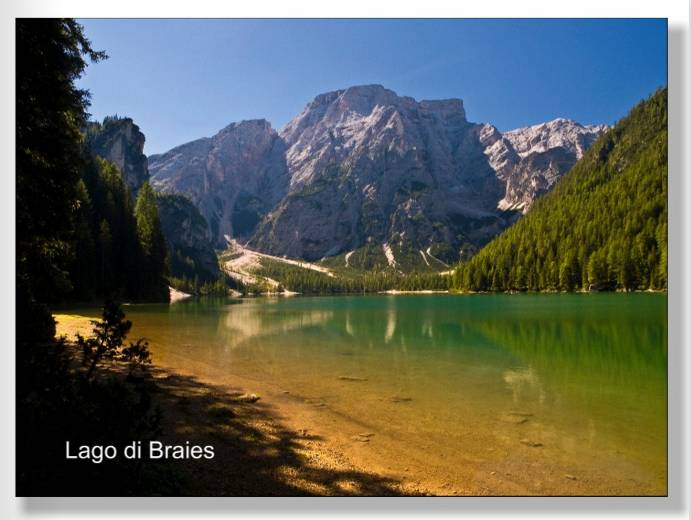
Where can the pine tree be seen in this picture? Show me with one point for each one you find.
(151, 240)
(50, 111)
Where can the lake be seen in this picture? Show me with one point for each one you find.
(555, 394)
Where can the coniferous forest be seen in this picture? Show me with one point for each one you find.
(604, 226)
(83, 235)
(119, 249)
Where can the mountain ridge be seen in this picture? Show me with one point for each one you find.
(364, 165)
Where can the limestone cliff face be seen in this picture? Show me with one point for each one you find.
(234, 178)
(364, 166)
(120, 141)
(543, 153)
(367, 165)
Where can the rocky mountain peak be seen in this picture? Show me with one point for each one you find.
(342, 107)
(444, 107)
(532, 159)
(233, 177)
(248, 126)
(119, 140)
(364, 98)
(243, 142)
(338, 124)
(559, 132)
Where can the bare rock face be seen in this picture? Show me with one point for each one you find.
(363, 166)
(559, 133)
(234, 177)
(540, 155)
(368, 166)
(120, 141)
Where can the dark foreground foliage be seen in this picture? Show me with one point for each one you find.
(88, 403)
(59, 218)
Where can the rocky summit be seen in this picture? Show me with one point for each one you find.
(366, 168)
(530, 160)
(120, 141)
(234, 177)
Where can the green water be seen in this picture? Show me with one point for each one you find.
(499, 394)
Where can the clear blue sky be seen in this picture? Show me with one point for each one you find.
(184, 79)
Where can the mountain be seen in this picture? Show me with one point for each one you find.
(120, 141)
(367, 166)
(403, 183)
(234, 178)
(604, 226)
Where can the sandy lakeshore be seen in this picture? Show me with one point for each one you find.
(272, 445)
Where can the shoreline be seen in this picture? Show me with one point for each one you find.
(422, 291)
(177, 295)
(284, 450)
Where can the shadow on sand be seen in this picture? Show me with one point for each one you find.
(255, 455)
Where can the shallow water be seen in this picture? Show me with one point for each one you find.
(481, 394)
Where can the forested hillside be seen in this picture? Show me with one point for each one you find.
(190, 253)
(118, 250)
(604, 226)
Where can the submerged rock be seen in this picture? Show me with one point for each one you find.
(513, 419)
(246, 398)
(532, 444)
(520, 414)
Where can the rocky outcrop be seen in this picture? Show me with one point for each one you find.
(120, 141)
(534, 158)
(573, 137)
(187, 235)
(234, 178)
